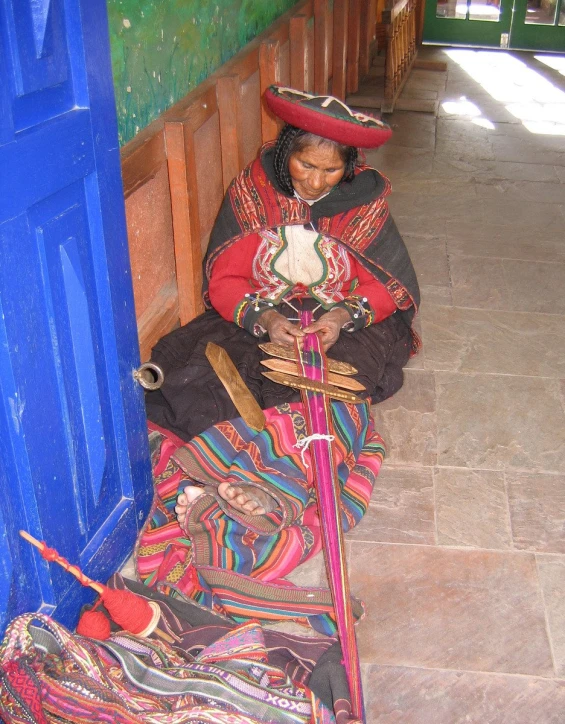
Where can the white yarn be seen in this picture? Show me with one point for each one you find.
(305, 441)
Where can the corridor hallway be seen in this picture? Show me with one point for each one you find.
(461, 558)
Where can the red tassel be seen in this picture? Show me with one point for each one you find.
(94, 625)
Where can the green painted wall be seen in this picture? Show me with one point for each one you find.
(161, 49)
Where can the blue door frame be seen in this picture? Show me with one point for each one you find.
(74, 462)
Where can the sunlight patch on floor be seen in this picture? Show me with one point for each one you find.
(557, 62)
(525, 93)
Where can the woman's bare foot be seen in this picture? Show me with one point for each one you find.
(249, 501)
(190, 493)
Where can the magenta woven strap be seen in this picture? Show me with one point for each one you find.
(313, 365)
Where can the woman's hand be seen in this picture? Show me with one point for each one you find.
(279, 328)
(329, 326)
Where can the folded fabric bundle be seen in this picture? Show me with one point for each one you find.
(233, 563)
(48, 675)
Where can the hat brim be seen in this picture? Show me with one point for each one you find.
(349, 128)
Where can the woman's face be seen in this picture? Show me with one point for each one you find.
(315, 170)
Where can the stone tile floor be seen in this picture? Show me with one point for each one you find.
(461, 558)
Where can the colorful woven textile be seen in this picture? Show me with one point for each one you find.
(48, 676)
(234, 563)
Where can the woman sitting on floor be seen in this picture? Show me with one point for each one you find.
(305, 226)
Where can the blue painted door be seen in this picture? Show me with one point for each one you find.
(74, 466)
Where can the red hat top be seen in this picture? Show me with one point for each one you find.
(328, 117)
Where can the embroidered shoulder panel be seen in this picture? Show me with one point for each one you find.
(256, 204)
(358, 228)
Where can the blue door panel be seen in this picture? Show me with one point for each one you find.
(74, 468)
(41, 80)
(59, 146)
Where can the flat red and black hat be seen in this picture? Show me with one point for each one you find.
(328, 117)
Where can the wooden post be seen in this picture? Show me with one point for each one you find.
(367, 32)
(321, 55)
(353, 40)
(229, 107)
(181, 163)
(298, 52)
(269, 73)
(339, 80)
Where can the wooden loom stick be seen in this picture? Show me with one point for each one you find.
(284, 351)
(304, 383)
(289, 368)
(148, 612)
(64, 563)
(317, 409)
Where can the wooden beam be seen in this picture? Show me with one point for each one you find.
(269, 73)
(339, 80)
(186, 225)
(229, 107)
(353, 42)
(141, 165)
(298, 51)
(366, 35)
(321, 56)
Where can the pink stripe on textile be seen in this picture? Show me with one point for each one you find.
(313, 365)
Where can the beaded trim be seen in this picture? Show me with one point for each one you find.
(359, 308)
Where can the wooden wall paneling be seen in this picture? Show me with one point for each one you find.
(186, 224)
(284, 62)
(330, 43)
(158, 319)
(298, 51)
(310, 56)
(353, 43)
(269, 73)
(141, 162)
(209, 178)
(321, 57)
(228, 93)
(340, 22)
(150, 237)
(251, 116)
(367, 35)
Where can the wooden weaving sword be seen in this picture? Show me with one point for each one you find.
(246, 404)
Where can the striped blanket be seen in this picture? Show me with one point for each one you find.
(233, 563)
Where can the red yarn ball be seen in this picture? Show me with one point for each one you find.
(133, 613)
(95, 625)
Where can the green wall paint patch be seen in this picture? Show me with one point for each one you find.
(162, 49)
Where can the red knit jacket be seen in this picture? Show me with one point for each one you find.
(234, 275)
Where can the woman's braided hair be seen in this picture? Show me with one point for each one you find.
(292, 140)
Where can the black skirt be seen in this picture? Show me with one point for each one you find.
(192, 398)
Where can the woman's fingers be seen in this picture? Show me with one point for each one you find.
(328, 329)
(329, 326)
(279, 328)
